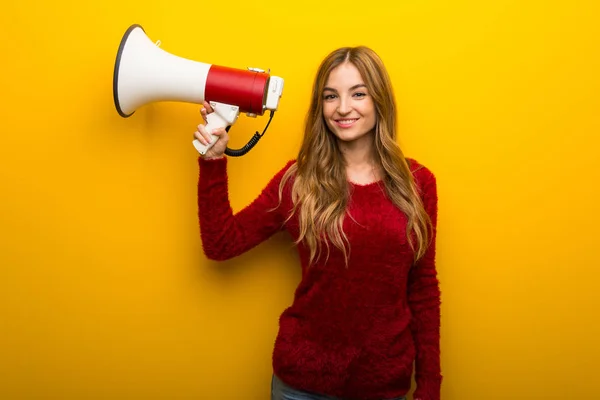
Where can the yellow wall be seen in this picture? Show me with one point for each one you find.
(104, 290)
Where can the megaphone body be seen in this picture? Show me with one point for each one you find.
(144, 73)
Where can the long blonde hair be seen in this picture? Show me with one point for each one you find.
(320, 188)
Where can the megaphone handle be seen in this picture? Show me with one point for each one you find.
(223, 116)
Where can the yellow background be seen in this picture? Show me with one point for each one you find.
(104, 290)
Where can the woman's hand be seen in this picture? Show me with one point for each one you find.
(203, 136)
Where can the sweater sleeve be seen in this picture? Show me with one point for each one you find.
(424, 302)
(225, 234)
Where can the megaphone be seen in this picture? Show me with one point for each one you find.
(144, 73)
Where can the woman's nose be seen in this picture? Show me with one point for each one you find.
(344, 107)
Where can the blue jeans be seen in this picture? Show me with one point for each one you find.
(281, 391)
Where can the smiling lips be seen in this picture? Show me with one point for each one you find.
(346, 123)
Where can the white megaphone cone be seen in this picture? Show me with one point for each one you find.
(144, 73)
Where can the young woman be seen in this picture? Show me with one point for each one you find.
(364, 220)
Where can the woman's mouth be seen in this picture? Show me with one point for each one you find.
(346, 123)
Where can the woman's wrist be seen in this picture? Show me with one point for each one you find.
(213, 158)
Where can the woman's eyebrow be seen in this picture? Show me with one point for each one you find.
(352, 88)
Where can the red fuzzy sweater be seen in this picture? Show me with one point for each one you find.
(350, 332)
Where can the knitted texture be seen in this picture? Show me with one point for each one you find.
(351, 331)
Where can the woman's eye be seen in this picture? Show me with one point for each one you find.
(329, 96)
(360, 94)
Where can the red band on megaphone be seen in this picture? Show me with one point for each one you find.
(245, 89)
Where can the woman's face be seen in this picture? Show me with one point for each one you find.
(348, 108)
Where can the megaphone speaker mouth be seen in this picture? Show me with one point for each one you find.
(116, 70)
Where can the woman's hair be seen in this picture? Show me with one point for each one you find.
(320, 188)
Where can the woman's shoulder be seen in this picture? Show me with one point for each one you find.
(285, 166)
(288, 164)
(425, 181)
(282, 171)
(419, 170)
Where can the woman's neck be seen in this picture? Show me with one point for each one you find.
(360, 160)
